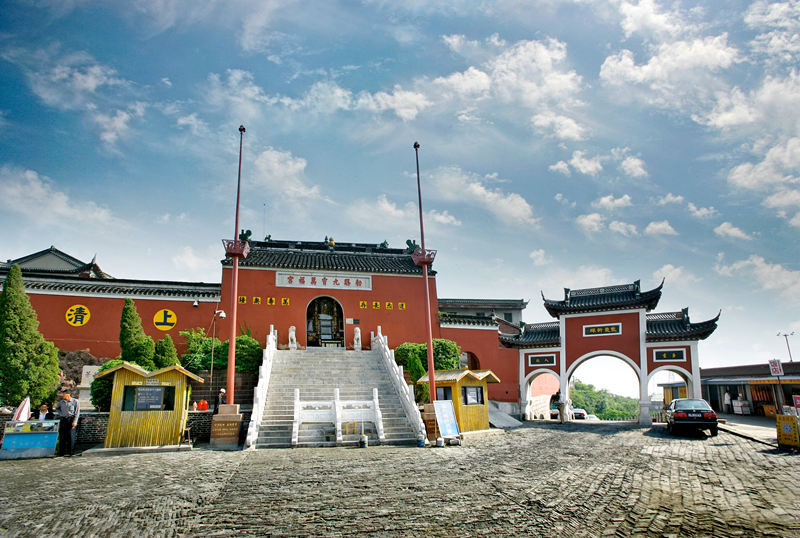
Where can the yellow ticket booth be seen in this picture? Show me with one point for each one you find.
(147, 408)
(467, 390)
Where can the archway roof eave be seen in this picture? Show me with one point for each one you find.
(607, 298)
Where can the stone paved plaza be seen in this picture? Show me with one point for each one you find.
(541, 480)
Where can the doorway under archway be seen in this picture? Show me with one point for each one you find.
(324, 323)
(605, 386)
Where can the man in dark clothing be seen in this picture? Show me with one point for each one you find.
(43, 413)
(219, 399)
(68, 412)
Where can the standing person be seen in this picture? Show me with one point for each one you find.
(727, 402)
(43, 413)
(562, 411)
(68, 412)
(219, 399)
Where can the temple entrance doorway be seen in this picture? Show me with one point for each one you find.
(324, 323)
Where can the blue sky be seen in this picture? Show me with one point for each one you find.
(564, 143)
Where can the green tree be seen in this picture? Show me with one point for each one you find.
(165, 354)
(602, 403)
(414, 358)
(28, 363)
(137, 347)
(100, 390)
(249, 354)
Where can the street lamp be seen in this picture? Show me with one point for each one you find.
(221, 314)
(425, 258)
(786, 337)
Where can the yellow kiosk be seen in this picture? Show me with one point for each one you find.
(467, 390)
(147, 408)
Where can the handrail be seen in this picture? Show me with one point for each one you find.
(336, 412)
(260, 392)
(405, 392)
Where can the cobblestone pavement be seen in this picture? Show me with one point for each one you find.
(547, 479)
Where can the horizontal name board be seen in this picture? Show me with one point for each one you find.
(323, 281)
(541, 360)
(606, 329)
(670, 355)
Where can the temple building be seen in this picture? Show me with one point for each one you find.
(325, 294)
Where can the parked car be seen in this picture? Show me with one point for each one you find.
(592, 417)
(691, 413)
(578, 413)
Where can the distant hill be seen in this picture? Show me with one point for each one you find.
(602, 403)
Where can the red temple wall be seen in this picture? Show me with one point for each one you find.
(626, 343)
(504, 362)
(652, 364)
(399, 325)
(100, 335)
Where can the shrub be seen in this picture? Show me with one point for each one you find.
(28, 363)
(414, 358)
(248, 354)
(165, 353)
(198, 351)
(136, 346)
(100, 390)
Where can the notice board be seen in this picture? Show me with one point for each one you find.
(446, 418)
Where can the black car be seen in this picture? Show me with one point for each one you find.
(691, 413)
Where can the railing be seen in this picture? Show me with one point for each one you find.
(337, 412)
(260, 392)
(405, 392)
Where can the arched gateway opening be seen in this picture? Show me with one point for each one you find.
(324, 323)
(605, 387)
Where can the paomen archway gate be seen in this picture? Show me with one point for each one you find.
(615, 321)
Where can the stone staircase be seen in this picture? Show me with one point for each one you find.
(316, 372)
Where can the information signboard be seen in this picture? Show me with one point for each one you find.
(446, 418)
(787, 430)
(148, 398)
(775, 367)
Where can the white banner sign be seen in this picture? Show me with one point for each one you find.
(323, 280)
(775, 367)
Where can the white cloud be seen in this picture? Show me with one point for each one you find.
(405, 104)
(779, 165)
(193, 264)
(679, 74)
(772, 277)
(591, 223)
(283, 173)
(589, 166)
(780, 21)
(610, 203)
(63, 80)
(660, 228)
(726, 229)
(540, 257)
(36, 199)
(196, 125)
(646, 18)
(561, 167)
(633, 166)
(472, 83)
(674, 275)
(454, 184)
(623, 228)
(442, 217)
(116, 126)
(559, 197)
(166, 82)
(561, 127)
(237, 93)
(670, 198)
(701, 212)
(795, 221)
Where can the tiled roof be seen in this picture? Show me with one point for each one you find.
(466, 319)
(456, 375)
(661, 327)
(605, 298)
(482, 303)
(121, 287)
(319, 256)
(667, 326)
(534, 335)
(749, 370)
(28, 264)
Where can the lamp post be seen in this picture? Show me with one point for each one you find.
(786, 337)
(425, 258)
(221, 314)
(235, 248)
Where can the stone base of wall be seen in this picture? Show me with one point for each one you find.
(92, 426)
